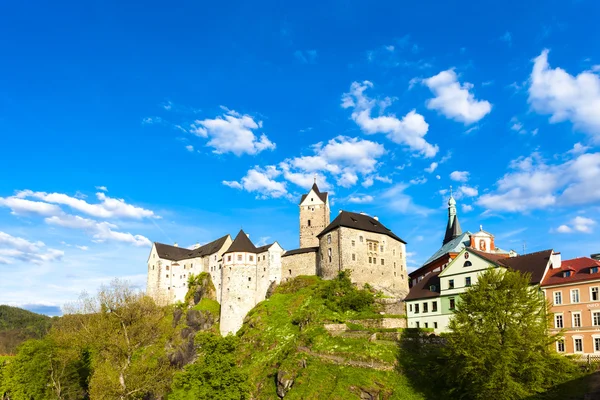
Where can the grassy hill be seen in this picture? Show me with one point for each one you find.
(285, 348)
(18, 325)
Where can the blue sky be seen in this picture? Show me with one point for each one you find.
(124, 123)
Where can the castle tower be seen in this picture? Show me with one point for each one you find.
(314, 216)
(453, 229)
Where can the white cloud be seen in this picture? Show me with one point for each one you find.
(468, 191)
(102, 188)
(409, 130)
(466, 208)
(577, 224)
(418, 181)
(535, 184)
(107, 208)
(459, 176)
(19, 206)
(566, 97)
(431, 167)
(84, 248)
(14, 249)
(578, 148)
(232, 133)
(100, 231)
(454, 100)
(261, 181)
(397, 201)
(360, 199)
(189, 148)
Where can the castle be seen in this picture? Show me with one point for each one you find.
(242, 273)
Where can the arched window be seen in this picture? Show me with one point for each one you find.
(309, 222)
(467, 264)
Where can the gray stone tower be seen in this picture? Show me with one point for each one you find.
(314, 216)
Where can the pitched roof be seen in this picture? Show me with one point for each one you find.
(492, 257)
(301, 251)
(175, 253)
(322, 196)
(421, 290)
(454, 246)
(453, 229)
(241, 243)
(361, 222)
(264, 248)
(532, 263)
(580, 271)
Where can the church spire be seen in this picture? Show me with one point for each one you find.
(453, 229)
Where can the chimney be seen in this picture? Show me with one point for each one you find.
(555, 260)
(196, 246)
(175, 245)
(248, 235)
(596, 256)
(376, 218)
(339, 212)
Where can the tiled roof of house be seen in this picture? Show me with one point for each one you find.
(422, 289)
(533, 263)
(175, 253)
(242, 244)
(358, 221)
(301, 251)
(322, 196)
(580, 271)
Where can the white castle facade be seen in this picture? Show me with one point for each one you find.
(242, 273)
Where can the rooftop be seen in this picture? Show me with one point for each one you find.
(358, 221)
(322, 196)
(301, 251)
(581, 270)
(175, 253)
(422, 290)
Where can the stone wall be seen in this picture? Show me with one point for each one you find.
(239, 290)
(314, 217)
(350, 250)
(298, 264)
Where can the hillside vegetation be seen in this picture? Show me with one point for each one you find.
(18, 325)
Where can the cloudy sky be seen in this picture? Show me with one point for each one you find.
(124, 124)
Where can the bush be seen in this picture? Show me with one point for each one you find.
(342, 295)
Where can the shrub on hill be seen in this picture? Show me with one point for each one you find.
(18, 325)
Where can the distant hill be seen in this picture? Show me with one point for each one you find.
(18, 325)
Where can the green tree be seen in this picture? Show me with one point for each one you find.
(499, 346)
(214, 375)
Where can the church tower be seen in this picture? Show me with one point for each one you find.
(314, 216)
(453, 228)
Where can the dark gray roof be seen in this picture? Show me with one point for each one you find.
(532, 263)
(264, 248)
(452, 230)
(358, 221)
(595, 256)
(422, 289)
(322, 196)
(175, 253)
(301, 251)
(242, 243)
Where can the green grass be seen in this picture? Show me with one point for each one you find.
(278, 332)
(5, 358)
(211, 306)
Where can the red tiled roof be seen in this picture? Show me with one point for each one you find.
(580, 271)
(493, 257)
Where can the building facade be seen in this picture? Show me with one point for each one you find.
(314, 216)
(573, 291)
(432, 301)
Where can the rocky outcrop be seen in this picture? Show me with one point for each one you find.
(284, 383)
(200, 320)
(200, 287)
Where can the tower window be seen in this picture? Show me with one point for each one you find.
(311, 199)
(239, 258)
(353, 257)
(353, 243)
(328, 238)
(251, 258)
(309, 222)
(249, 279)
(360, 239)
(382, 261)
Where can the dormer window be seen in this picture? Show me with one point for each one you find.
(467, 264)
(311, 199)
(593, 270)
(566, 274)
(432, 288)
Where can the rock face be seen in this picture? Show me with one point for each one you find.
(284, 383)
(199, 320)
(369, 394)
(271, 290)
(201, 288)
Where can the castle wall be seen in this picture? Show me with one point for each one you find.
(299, 264)
(239, 290)
(350, 250)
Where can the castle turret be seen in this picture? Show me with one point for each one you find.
(314, 216)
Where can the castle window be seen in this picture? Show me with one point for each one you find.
(191, 265)
(290, 271)
(167, 267)
(382, 261)
(153, 255)
(309, 222)
(228, 258)
(239, 258)
(249, 279)
(353, 243)
(370, 246)
(169, 288)
(353, 257)
(381, 249)
(264, 257)
(167, 275)
(467, 264)
(251, 258)
(329, 253)
(228, 279)
(370, 260)
(394, 264)
(153, 268)
(394, 274)
(215, 257)
(264, 269)
(394, 252)
(374, 260)
(328, 238)
(311, 199)
(360, 239)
